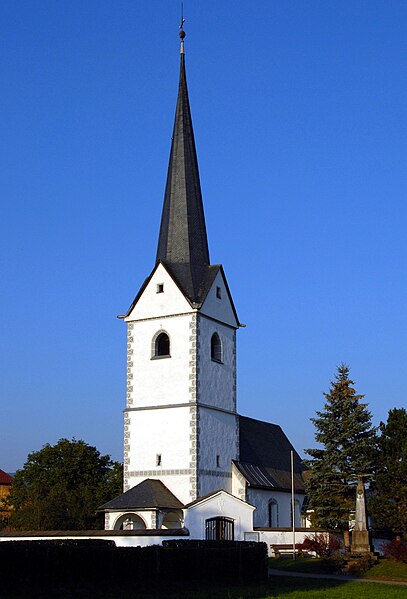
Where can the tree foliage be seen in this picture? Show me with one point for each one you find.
(397, 550)
(60, 487)
(324, 545)
(347, 438)
(388, 504)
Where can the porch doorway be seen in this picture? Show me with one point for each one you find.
(219, 529)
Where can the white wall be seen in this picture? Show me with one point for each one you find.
(238, 484)
(221, 504)
(162, 416)
(260, 498)
(165, 432)
(152, 304)
(162, 381)
(280, 537)
(219, 308)
(216, 382)
(218, 436)
(168, 382)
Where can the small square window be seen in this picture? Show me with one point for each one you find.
(160, 287)
(158, 459)
(218, 292)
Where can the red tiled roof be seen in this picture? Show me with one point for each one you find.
(5, 479)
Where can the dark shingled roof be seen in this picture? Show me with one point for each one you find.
(265, 456)
(148, 494)
(182, 243)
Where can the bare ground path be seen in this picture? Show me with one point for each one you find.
(343, 578)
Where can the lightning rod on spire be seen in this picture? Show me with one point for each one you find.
(181, 28)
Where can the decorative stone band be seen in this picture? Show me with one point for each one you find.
(126, 459)
(217, 473)
(163, 316)
(193, 311)
(194, 417)
(193, 366)
(181, 405)
(186, 471)
(161, 472)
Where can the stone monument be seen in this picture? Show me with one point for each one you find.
(360, 534)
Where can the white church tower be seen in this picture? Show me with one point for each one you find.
(180, 421)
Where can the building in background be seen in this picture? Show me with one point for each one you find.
(5, 487)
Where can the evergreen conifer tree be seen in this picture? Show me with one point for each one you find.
(388, 504)
(347, 439)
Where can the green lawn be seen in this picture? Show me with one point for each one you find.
(388, 569)
(384, 569)
(282, 587)
(306, 565)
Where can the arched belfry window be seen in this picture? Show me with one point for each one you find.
(216, 348)
(161, 346)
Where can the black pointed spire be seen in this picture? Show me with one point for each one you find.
(182, 243)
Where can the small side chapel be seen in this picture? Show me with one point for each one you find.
(190, 460)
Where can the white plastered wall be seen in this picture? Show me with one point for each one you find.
(162, 381)
(217, 382)
(152, 304)
(261, 498)
(219, 308)
(220, 504)
(218, 435)
(162, 417)
(238, 484)
(165, 433)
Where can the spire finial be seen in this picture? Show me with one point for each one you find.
(181, 28)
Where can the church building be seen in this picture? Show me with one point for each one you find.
(190, 460)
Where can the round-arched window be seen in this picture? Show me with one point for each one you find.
(161, 345)
(216, 348)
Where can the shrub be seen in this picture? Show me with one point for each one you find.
(358, 566)
(324, 545)
(334, 564)
(397, 550)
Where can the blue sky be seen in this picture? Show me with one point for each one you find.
(299, 111)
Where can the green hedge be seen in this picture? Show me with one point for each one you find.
(100, 564)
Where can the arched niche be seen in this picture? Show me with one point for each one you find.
(130, 522)
(172, 520)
